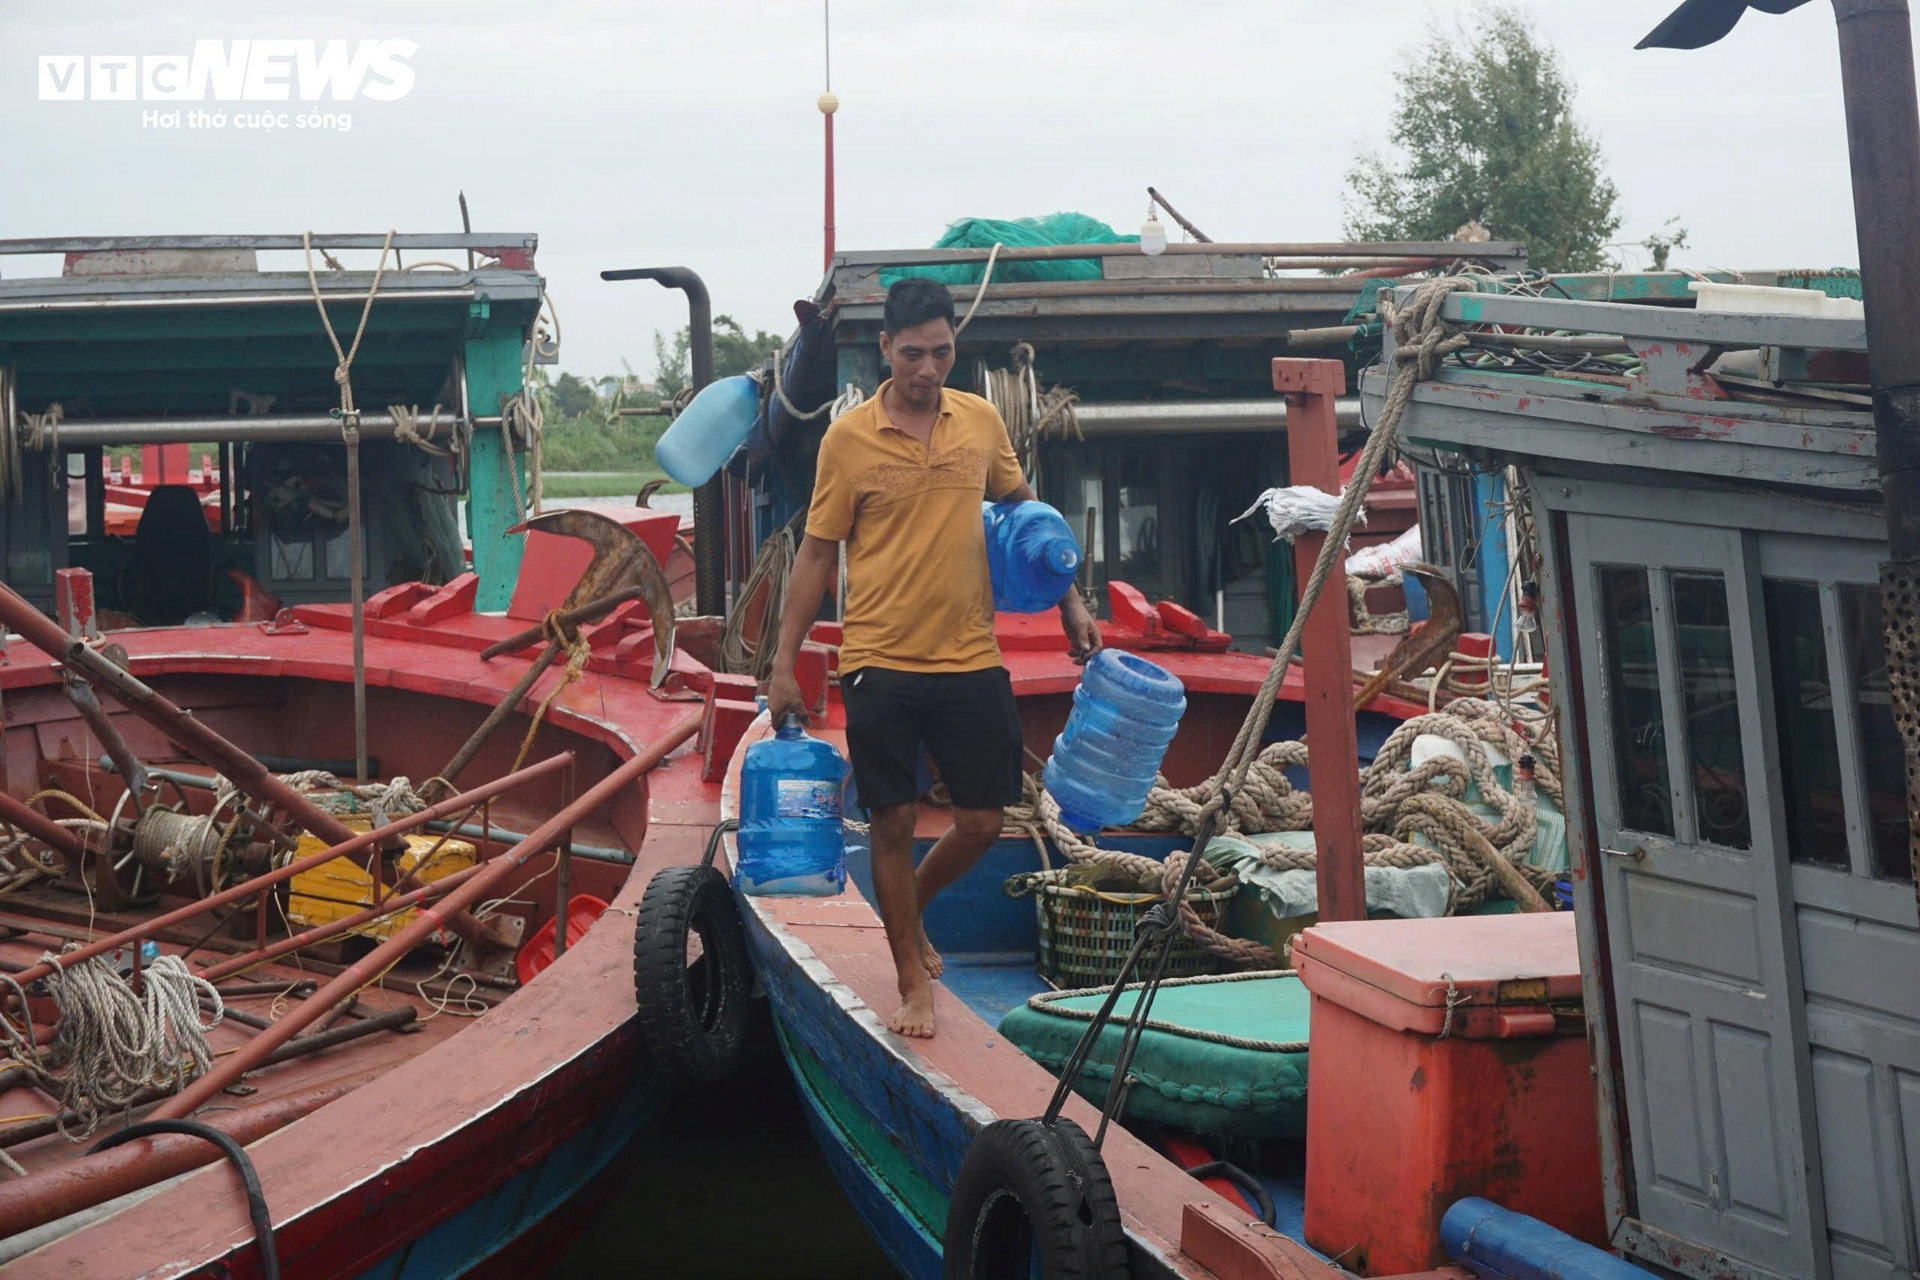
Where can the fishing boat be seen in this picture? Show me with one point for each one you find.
(404, 1009)
(1204, 1180)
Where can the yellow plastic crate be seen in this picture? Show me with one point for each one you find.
(337, 889)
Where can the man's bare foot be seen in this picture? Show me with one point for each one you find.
(915, 1018)
(929, 957)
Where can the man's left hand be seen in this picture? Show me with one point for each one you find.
(1083, 633)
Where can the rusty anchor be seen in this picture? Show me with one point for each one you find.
(1427, 643)
(622, 569)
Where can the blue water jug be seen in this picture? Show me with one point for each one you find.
(791, 837)
(708, 430)
(1031, 555)
(1103, 764)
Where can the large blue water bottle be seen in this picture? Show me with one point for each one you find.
(1103, 764)
(708, 430)
(1031, 555)
(791, 837)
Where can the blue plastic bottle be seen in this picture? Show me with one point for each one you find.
(1031, 555)
(791, 838)
(1103, 765)
(708, 430)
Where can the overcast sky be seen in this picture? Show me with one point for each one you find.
(685, 131)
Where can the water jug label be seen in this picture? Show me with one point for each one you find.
(805, 798)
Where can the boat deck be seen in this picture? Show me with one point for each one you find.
(329, 1071)
(987, 939)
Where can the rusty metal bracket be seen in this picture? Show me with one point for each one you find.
(1672, 368)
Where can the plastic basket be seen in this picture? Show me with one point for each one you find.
(1085, 934)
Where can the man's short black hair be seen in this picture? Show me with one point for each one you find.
(915, 300)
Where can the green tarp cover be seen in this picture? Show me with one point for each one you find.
(1018, 233)
(1225, 1057)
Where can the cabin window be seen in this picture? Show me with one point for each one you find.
(1881, 753)
(1716, 762)
(1633, 684)
(292, 559)
(1139, 506)
(1809, 742)
(75, 494)
(1082, 490)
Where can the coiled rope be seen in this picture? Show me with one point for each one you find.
(117, 1044)
(1030, 414)
(771, 569)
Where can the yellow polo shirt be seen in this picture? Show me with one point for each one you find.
(918, 594)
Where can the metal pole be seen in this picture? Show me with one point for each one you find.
(1174, 213)
(563, 874)
(357, 587)
(828, 105)
(1883, 143)
(1883, 138)
(709, 502)
(87, 433)
(1446, 250)
(227, 1070)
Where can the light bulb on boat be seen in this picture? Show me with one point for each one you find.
(1153, 237)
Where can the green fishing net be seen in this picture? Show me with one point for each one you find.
(984, 233)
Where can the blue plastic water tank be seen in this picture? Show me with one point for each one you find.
(791, 837)
(1031, 555)
(1103, 764)
(708, 430)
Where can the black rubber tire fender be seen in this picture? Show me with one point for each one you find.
(693, 1017)
(1028, 1191)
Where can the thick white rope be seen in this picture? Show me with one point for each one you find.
(1030, 414)
(116, 1044)
(343, 370)
(992, 255)
(406, 429)
(771, 567)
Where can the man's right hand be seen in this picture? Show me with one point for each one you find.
(783, 697)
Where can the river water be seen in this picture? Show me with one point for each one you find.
(729, 1184)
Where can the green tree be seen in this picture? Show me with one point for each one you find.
(734, 351)
(1484, 132)
(573, 397)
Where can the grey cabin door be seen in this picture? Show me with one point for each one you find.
(1706, 973)
(1842, 794)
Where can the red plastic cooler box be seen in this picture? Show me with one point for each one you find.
(1447, 1058)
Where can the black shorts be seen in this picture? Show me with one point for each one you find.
(965, 719)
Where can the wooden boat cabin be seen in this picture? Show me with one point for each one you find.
(1140, 400)
(169, 418)
(1703, 489)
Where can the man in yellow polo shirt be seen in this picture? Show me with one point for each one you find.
(900, 481)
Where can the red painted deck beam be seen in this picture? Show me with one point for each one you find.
(1313, 458)
(250, 1055)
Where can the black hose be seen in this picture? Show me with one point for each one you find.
(256, 1198)
(1240, 1178)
